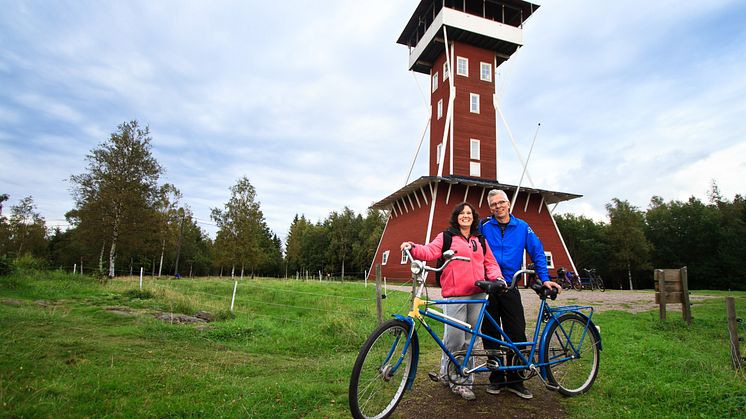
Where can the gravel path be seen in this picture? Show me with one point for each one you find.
(630, 301)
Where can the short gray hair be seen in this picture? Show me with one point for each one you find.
(495, 192)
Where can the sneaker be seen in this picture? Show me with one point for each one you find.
(494, 389)
(519, 390)
(464, 392)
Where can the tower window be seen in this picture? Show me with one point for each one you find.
(473, 103)
(445, 71)
(385, 257)
(474, 149)
(550, 260)
(440, 108)
(485, 72)
(438, 151)
(435, 81)
(462, 66)
(475, 169)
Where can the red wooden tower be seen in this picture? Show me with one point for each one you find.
(460, 44)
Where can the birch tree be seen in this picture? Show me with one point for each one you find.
(242, 230)
(120, 187)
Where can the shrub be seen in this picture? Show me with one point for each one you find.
(6, 267)
(28, 263)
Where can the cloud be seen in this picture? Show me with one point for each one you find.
(313, 102)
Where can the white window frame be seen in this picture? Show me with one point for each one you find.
(550, 259)
(385, 257)
(485, 72)
(445, 71)
(475, 169)
(462, 66)
(438, 150)
(472, 144)
(440, 108)
(435, 82)
(474, 102)
(404, 258)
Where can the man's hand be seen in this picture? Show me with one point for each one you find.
(553, 285)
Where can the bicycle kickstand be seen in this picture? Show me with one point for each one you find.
(533, 368)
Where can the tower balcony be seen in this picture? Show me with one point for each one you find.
(495, 25)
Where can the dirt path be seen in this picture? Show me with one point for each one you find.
(431, 399)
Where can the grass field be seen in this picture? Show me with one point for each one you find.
(71, 347)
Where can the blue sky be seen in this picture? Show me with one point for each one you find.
(312, 101)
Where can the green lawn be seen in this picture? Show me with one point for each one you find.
(289, 348)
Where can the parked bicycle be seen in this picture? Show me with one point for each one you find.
(564, 352)
(568, 279)
(593, 280)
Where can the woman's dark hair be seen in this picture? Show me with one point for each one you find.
(475, 217)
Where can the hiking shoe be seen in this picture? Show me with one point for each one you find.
(519, 390)
(464, 392)
(494, 389)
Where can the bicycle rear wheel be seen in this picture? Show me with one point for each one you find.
(577, 285)
(575, 349)
(375, 388)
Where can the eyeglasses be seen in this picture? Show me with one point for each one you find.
(498, 203)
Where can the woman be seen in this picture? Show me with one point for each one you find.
(457, 280)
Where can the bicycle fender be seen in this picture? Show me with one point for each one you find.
(544, 338)
(414, 343)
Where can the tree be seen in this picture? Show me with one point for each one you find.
(117, 196)
(4, 228)
(364, 249)
(629, 249)
(585, 241)
(243, 235)
(342, 230)
(27, 230)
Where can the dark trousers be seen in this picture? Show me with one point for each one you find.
(507, 310)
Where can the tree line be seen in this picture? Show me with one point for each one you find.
(708, 238)
(125, 218)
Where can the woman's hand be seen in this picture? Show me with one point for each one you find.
(406, 245)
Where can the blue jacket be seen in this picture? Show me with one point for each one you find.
(508, 249)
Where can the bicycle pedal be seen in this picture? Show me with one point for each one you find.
(492, 364)
(433, 376)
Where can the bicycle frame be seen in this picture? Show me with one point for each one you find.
(546, 315)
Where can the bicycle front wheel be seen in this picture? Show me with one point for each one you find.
(600, 284)
(574, 351)
(377, 383)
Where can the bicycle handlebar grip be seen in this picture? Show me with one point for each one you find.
(499, 286)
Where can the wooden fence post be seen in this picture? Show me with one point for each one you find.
(659, 278)
(735, 341)
(379, 307)
(686, 308)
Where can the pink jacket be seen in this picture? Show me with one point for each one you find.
(458, 278)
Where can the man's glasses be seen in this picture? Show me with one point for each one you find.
(498, 203)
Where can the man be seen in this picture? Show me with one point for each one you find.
(507, 237)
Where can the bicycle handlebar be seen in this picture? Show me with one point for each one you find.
(418, 265)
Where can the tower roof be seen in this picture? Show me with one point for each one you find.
(495, 25)
(550, 197)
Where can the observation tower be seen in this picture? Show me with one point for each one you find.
(460, 44)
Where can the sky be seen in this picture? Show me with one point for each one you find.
(314, 104)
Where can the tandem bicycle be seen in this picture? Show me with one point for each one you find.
(564, 352)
